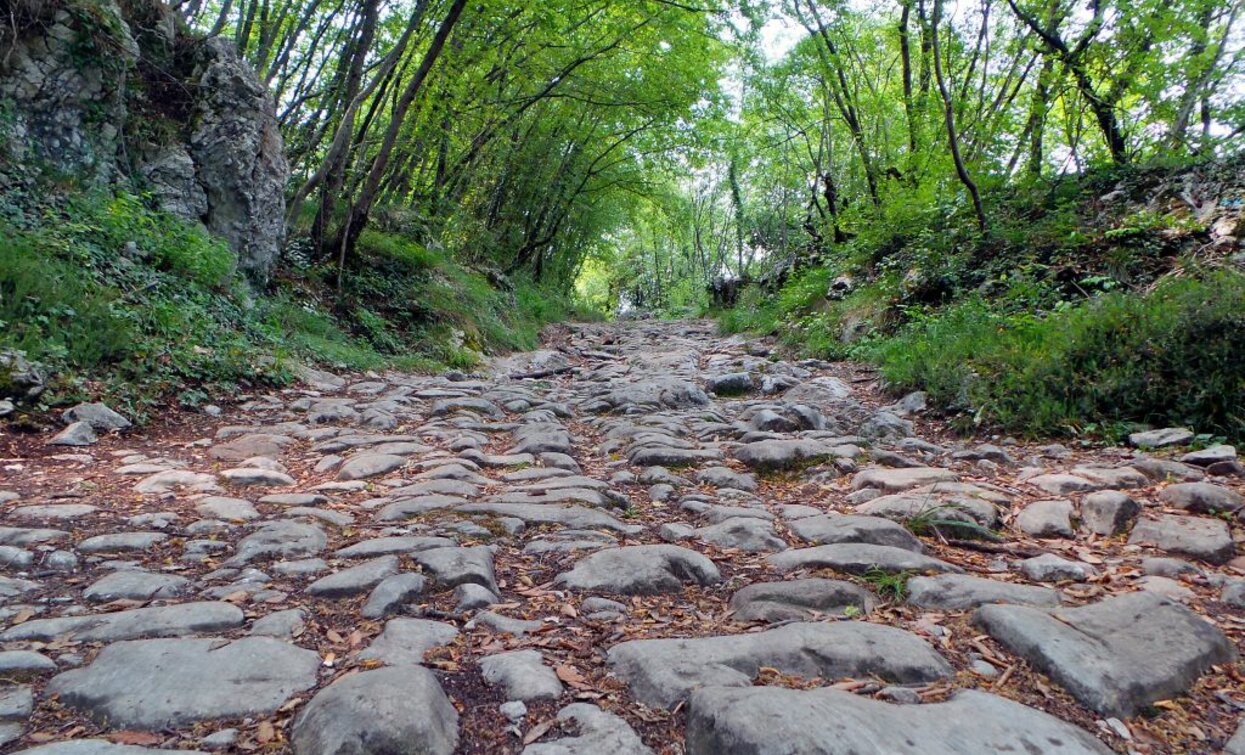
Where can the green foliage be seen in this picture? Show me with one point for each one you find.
(892, 587)
(1174, 356)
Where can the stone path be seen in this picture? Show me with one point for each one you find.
(646, 538)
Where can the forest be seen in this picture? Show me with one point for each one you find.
(856, 178)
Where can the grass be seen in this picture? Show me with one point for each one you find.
(1070, 318)
(889, 586)
(129, 304)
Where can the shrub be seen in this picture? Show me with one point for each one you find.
(1174, 356)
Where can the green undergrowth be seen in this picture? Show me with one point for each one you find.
(131, 305)
(1075, 316)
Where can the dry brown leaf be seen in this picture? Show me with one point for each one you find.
(572, 676)
(265, 733)
(135, 738)
(538, 731)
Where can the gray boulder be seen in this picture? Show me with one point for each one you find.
(640, 570)
(663, 672)
(388, 711)
(1115, 656)
(800, 600)
(777, 721)
(600, 733)
(156, 684)
(953, 592)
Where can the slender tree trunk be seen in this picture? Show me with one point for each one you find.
(952, 138)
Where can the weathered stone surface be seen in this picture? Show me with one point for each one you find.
(451, 567)
(858, 558)
(953, 592)
(600, 733)
(777, 721)
(77, 434)
(122, 541)
(387, 711)
(1063, 484)
(842, 528)
(1115, 656)
(776, 455)
(640, 570)
(153, 684)
(898, 480)
(663, 672)
(1051, 568)
(1108, 512)
(1201, 497)
(1207, 539)
(157, 621)
(405, 641)
(578, 517)
(135, 585)
(800, 600)
(1046, 519)
(522, 674)
(97, 747)
(357, 579)
(747, 534)
(1208, 456)
(364, 466)
(1161, 438)
(282, 539)
(383, 546)
(19, 663)
(229, 509)
(391, 594)
(99, 416)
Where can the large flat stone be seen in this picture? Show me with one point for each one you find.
(405, 641)
(387, 711)
(896, 480)
(777, 721)
(858, 558)
(662, 672)
(1207, 539)
(800, 600)
(952, 592)
(156, 684)
(157, 621)
(578, 517)
(598, 733)
(640, 570)
(1116, 656)
(828, 529)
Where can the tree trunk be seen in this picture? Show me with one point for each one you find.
(952, 137)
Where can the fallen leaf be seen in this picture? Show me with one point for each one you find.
(538, 731)
(571, 676)
(265, 733)
(135, 738)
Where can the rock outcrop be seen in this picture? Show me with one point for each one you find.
(108, 92)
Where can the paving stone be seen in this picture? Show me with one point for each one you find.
(154, 684)
(19, 663)
(1161, 438)
(53, 511)
(404, 641)
(391, 594)
(96, 747)
(355, 580)
(156, 621)
(858, 558)
(569, 516)
(135, 585)
(77, 434)
(827, 529)
(778, 455)
(640, 570)
(1046, 519)
(1051, 568)
(522, 674)
(777, 721)
(800, 600)
(282, 539)
(454, 566)
(1108, 512)
(662, 672)
(1201, 498)
(898, 480)
(387, 711)
(599, 733)
(257, 477)
(1208, 456)
(747, 534)
(122, 541)
(955, 592)
(285, 624)
(368, 465)
(1063, 484)
(1207, 539)
(234, 509)
(1116, 656)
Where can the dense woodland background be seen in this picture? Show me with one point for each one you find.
(1029, 208)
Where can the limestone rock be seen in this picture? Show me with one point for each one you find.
(640, 570)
